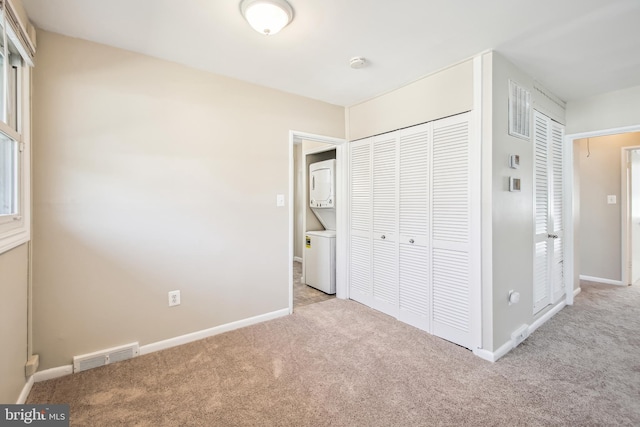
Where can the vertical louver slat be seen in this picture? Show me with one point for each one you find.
(451, 289)
(450, 199)
(541, 175)
(414, 276)
(384, 186)
(361, 187)
(540, 277)
(414, 181)
(385, 277)
(360, 266)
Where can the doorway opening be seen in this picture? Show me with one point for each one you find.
(306, 228)
(600, 207)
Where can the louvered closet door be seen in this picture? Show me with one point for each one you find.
(451, 230)
(548, 280)
(557, 263)
(385, 207)
(360, 240)
(413, 260)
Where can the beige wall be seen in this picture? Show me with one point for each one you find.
(149, 177)
(438, 95)
(610, 110)
(13, 322)
(600, 222)
(512, 235)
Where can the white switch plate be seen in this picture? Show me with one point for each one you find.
(280, 200)
(611, 199)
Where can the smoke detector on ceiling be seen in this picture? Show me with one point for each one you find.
(357, 62)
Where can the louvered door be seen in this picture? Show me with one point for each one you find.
(548, 279)
(451, 231)
(414, 291)
(410, 243)
(385, 208)
(360, 265)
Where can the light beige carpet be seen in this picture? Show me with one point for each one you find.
(338, 363)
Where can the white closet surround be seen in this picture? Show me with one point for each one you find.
(412, 250)
(548, 282)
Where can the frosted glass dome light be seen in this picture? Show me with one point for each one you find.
(267, 16)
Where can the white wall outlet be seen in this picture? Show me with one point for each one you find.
(280, 200)
(174, 298)
(611, 199)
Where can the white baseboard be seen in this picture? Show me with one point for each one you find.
(297, 259)
(49, 374)
(601, 280)
(195, 336)
(548, 315)
(61, 371)
(493, 356)
(25, 391)
(576, 292)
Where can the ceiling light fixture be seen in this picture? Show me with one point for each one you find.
(267, 16)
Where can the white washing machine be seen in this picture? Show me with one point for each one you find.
(320, 260)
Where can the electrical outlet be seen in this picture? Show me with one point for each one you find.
(174, 298)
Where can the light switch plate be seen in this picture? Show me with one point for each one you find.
(280, 200)
(611, 199)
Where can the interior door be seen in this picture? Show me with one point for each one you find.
(360, 288)
(451, 252)
(385, 255)
(414, 288)
(548, 280)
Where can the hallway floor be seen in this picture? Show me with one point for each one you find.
(303, 294)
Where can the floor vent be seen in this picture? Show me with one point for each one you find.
(105, 357)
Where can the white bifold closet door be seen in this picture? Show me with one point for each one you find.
(451, 230)
(410, 226)
(548, 280)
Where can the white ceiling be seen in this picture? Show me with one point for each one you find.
(575, 48)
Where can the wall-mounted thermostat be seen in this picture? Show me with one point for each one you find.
(514, 161)
(514, 184)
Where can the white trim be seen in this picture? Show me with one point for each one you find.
(567, 220)
(49, 374)
(205, 333)
(625, 215)
(341, 208)
(493, 356)
(297, 259)
(601, 280)
(576, 292)
(25, 391)
(61, 371)
(476, 204)
(511, 344)
(548, 315)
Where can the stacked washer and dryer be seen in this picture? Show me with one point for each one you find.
(320, 245)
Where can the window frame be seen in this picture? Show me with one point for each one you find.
(15, 229)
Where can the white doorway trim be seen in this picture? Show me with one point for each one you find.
(569, 201)
(626, 253)
(295, 137)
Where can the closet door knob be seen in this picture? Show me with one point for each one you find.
(383, 237)
(411, 241)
